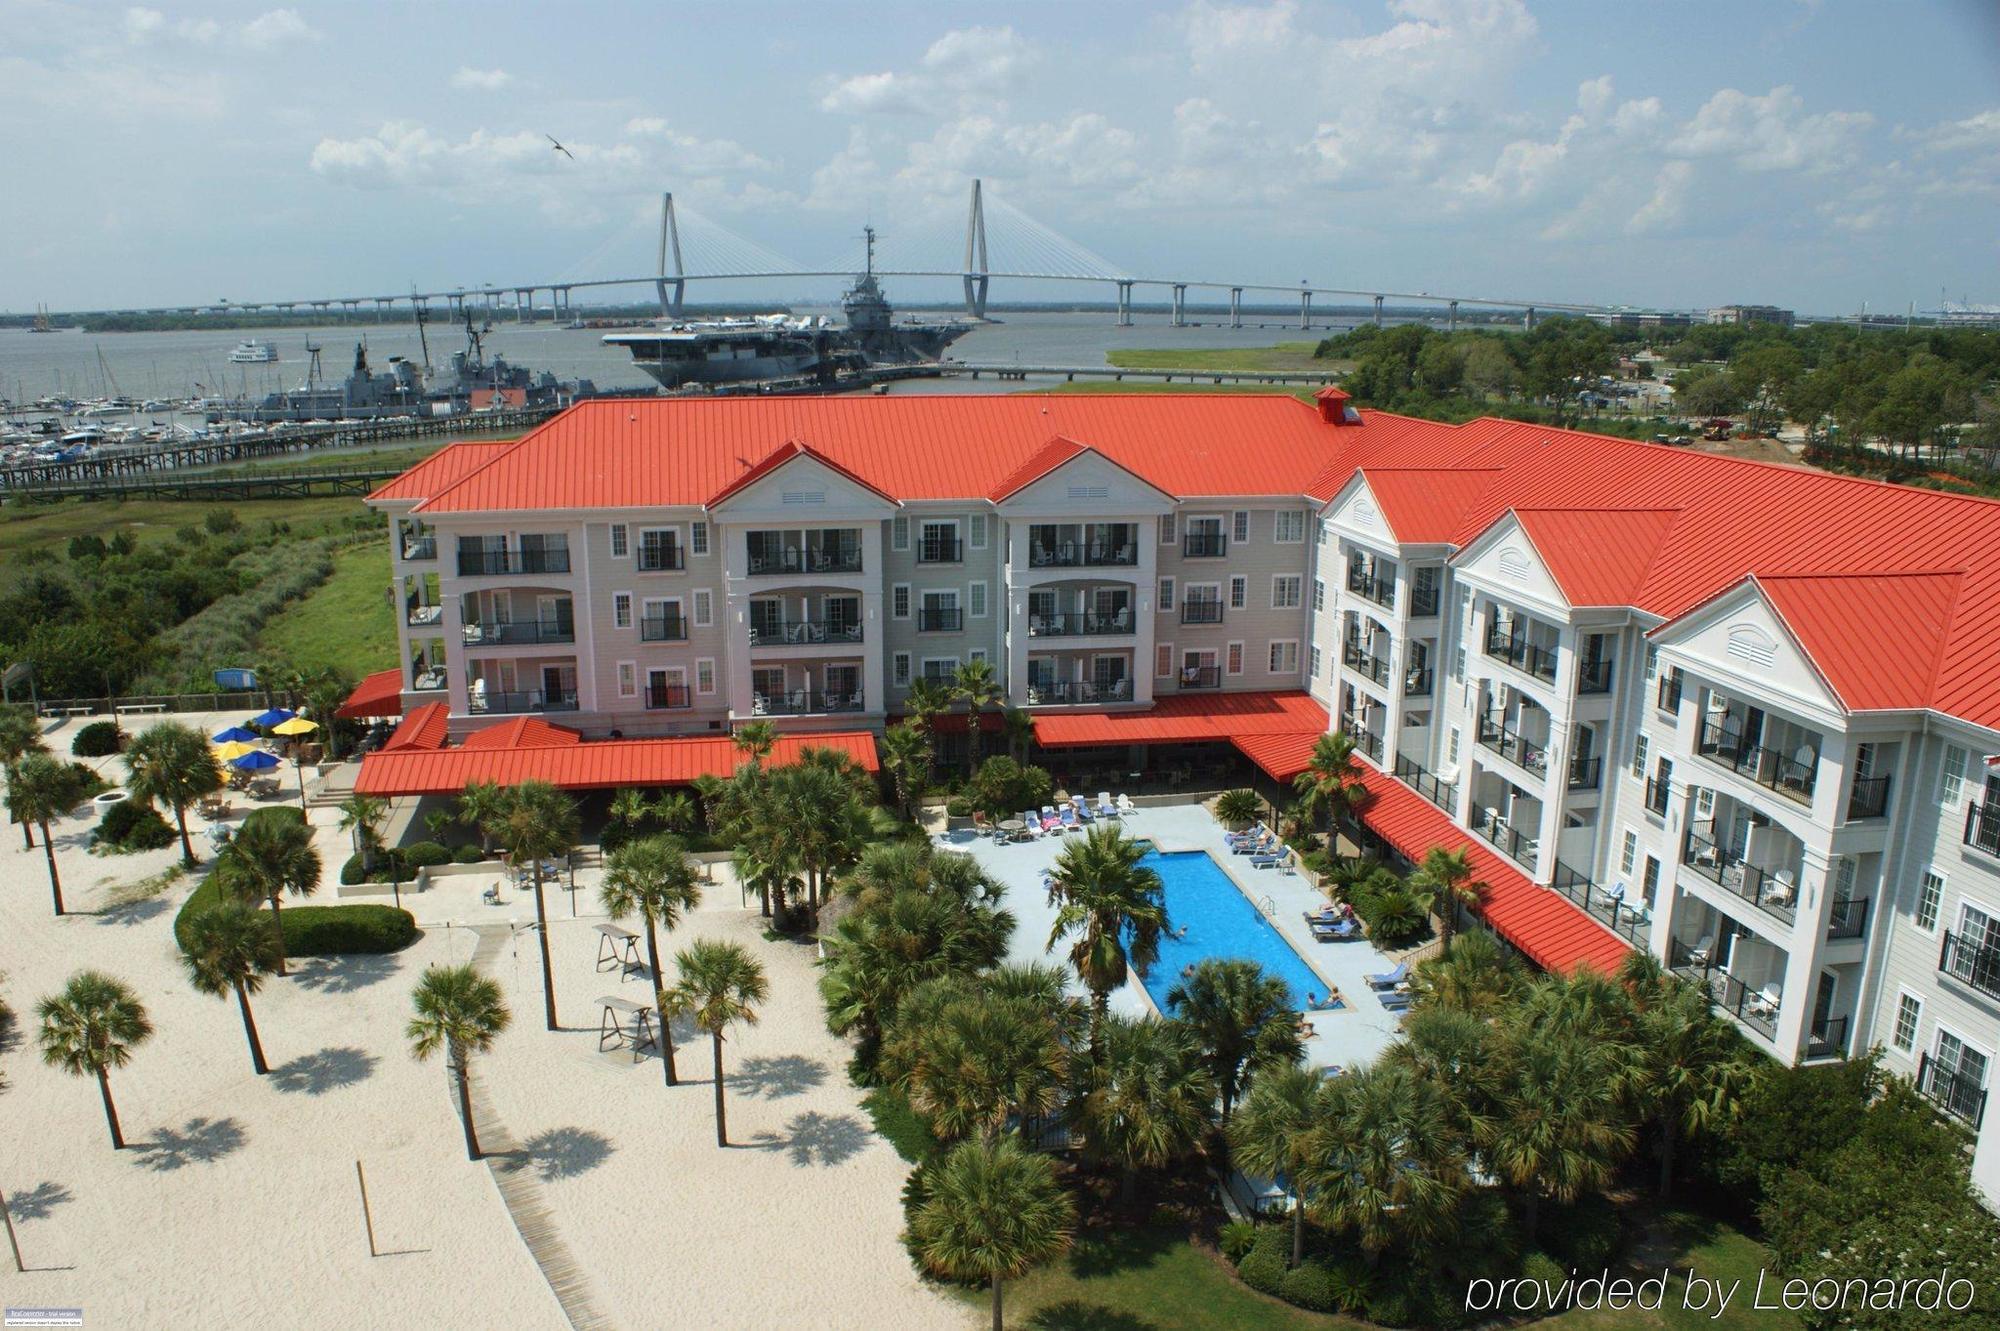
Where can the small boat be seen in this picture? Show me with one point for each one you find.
(253, 352)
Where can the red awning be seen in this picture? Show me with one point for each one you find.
(1545, 925)
(1281, 756)
(1187, 717)
(957, 723)
(380, 694)
(598, 765)
(422, 729)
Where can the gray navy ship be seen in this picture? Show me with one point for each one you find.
(783, 346)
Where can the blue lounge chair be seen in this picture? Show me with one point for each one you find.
(1082, 807)
(1338, 931)
(1105, 808)
(1275, 861)
(1389, 979)
(1394, 1001)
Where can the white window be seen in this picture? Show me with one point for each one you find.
(975, 600)
(1239, 592)
(1628, 853)
(698, 538)
(1704, 803)
(900, 668)
(621, 610)
(940, 669)
(1319, 594)
(1325, 529)
(937, 542)
(1451, 746)
(1233, 659)
(976, 531)
(618, 540)
(1951, 788)
(1285, 591)
(1909, 1012)
(1458, 665)
(1166, 529)
(1845, 870)
(1652, 663)
(704, 674)
(1285, 657)
(1163, 660)
(976, 654)
(899, 601)
(1929, 898)
(1640, 747)
(628, 679)
(899, 533)
(1289, 526)
(1166, 595)
(1239, 526)
(704, 607)
(1314, 661)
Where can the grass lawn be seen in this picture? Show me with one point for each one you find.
(1294, 356)
(346, 622)
(1713, 1250)
(25, 527)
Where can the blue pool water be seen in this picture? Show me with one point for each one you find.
(1221, 923)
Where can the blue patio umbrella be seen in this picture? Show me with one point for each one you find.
(237, 735)
(255, 761)
(271, 718)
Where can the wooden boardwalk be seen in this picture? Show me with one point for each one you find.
(513, 1174)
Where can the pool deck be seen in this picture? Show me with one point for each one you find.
(1346, 1038)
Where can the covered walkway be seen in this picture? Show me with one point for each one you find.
(583, 764)
(1276, 731)
(379, 694)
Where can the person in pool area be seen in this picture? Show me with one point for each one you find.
(1181, 932)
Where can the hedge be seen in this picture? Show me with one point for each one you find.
(99, 739)
(332, 931)
(131, 825)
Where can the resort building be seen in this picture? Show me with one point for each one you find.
(1738, 715)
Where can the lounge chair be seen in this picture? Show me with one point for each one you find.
(1070, 822)
(1394, 1000)
(981, 824)
(1125, 804)
(1049, 822)
(1082, 807)
(1279, 860)
(1336, 931)
(1702, 949)
(1105, 809)
(1261, 846)
(1389, 979)
(1247, 834)
(1328, 914)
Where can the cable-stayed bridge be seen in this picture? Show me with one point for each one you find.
(999, 243)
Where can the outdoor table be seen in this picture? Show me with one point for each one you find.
(1013, 827)
(626, 1024)
(618, 946)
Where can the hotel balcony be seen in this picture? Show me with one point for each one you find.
(418, 615)
(663, 628)
(1585, 773)
(774, 553)
(1059, 692)
(1508, 839)
(533, 700)
(1519, 651)
(804, 632)
(1418, 682)
(1867, 797)
(1080, 623)
(1593, 677)
(1776, 755)
(1414, 775)
(806, 702)
(419, 548)
(528, 633)
(1971, 962)
(1200, 677)
(662, 557)
(1849, 919)
(1366, 663)
(1630, 920)
(1204, 545)
(1364, 736)
(1093, 545)
(1423, 602)
(1982, 827)
(475, 563)
(661, 697)
(1659, 793)
(1754, 1006)
(940, 619)
(1372, 587)
(1957, 1093)
(1528, 753)
(941, 550)
(1201, 610)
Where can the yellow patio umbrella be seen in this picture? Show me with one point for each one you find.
(298, 725)
(233, 750)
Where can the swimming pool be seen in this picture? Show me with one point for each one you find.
(1221, 923)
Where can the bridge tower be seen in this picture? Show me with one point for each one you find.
(670, 249)
(1236, 307)
(1529, 323)
(1180, 305)
(976, 267)
(1451, 319)
(1306, 308)
(1378, 311)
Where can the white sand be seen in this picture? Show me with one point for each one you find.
(237, 1203)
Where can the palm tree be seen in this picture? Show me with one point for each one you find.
(980, 1059)
(230, 950)
(364, 816)
(20, 735)
(459, 1011)
(172, 764)
(1454, 1051)
(673, 810)
(1238, 808)
(269, 857)
(993, 1213)
(1695, 1070)
(720, 985)
(819, 814)
(1148, 1098)
(654, 878)
(91, 1027)
(483, 806)
(1560, 1127)
(975, 682)
(39, 788)
(1116, 908)
(879, 953)
(906, 756)
(538, 821)
(1332, 783)
(1444, 883)
(1270, 1134)
(1383, 1163)
(1242, 1019)
(755, 741)
(1479, 977)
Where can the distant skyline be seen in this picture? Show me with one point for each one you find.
(1819, 155)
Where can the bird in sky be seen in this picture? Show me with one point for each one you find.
(558, 146)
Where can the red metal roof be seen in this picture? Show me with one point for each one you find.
(778, 457)
(446, 467)
(601, 765)
(1038, 464)
(522, 732)
(1187, 717)
(379, 694)
(1838, 620)
(423, 728)
(1599, 556)
(1545, 925)
(1282, 755)
(1426, 505)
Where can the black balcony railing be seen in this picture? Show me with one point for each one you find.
(1513, 746)
(805, 559)
(666, 557)
(803, 632)
(1204, 545)
(1982, 827)
(1508, 839)
(1364, 739)
(1608, 906)
(1726, 993)
(1774, 893)
(1658, 791)
(668, 695)
(1382, 591)
(1356, 657)
(531, 701)
(1869, 797)
(1083, 554)
(940, 550)
(417, 616)
(1425, 784)
(1849, 918)
(1515, 649)
(1593, 676)
(1423, 602)
(1792, 776)
(1417, 681)
(1072, 624)
(1586, 773)
(1668, 696)
(804, 702)
(1201, 677)
(1056, 691)
(1957, 1093)
(420, 547)
(493, 563)
(947, 619)
(1201, 610)
(1828, 1039)
(527, 632)
(663, 628)
(1971, 962)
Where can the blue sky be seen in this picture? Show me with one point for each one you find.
(1818, 155)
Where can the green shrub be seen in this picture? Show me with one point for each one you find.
(328, 931)
(278, 813)
(89, 785)
(1541, 1269)
(467, 855)
(1389, 1305)
(1263, 1270)
(1353, 1284)
(1238, 808)
(1309, 1285)
(958, 807)
(1585, 1235)
(422, 855)
(1002, 788)
(99, 739)
(1236, 1238)
(131, 825)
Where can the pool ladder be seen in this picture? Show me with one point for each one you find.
(1268, 906)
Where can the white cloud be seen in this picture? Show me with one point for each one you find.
(481, 80)
(1975, 133)
(959, 68)
(275, 28)
(141, 24)
(1770, 133)
(1667, 207)
(267, 31)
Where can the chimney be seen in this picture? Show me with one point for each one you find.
(1334, 408)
